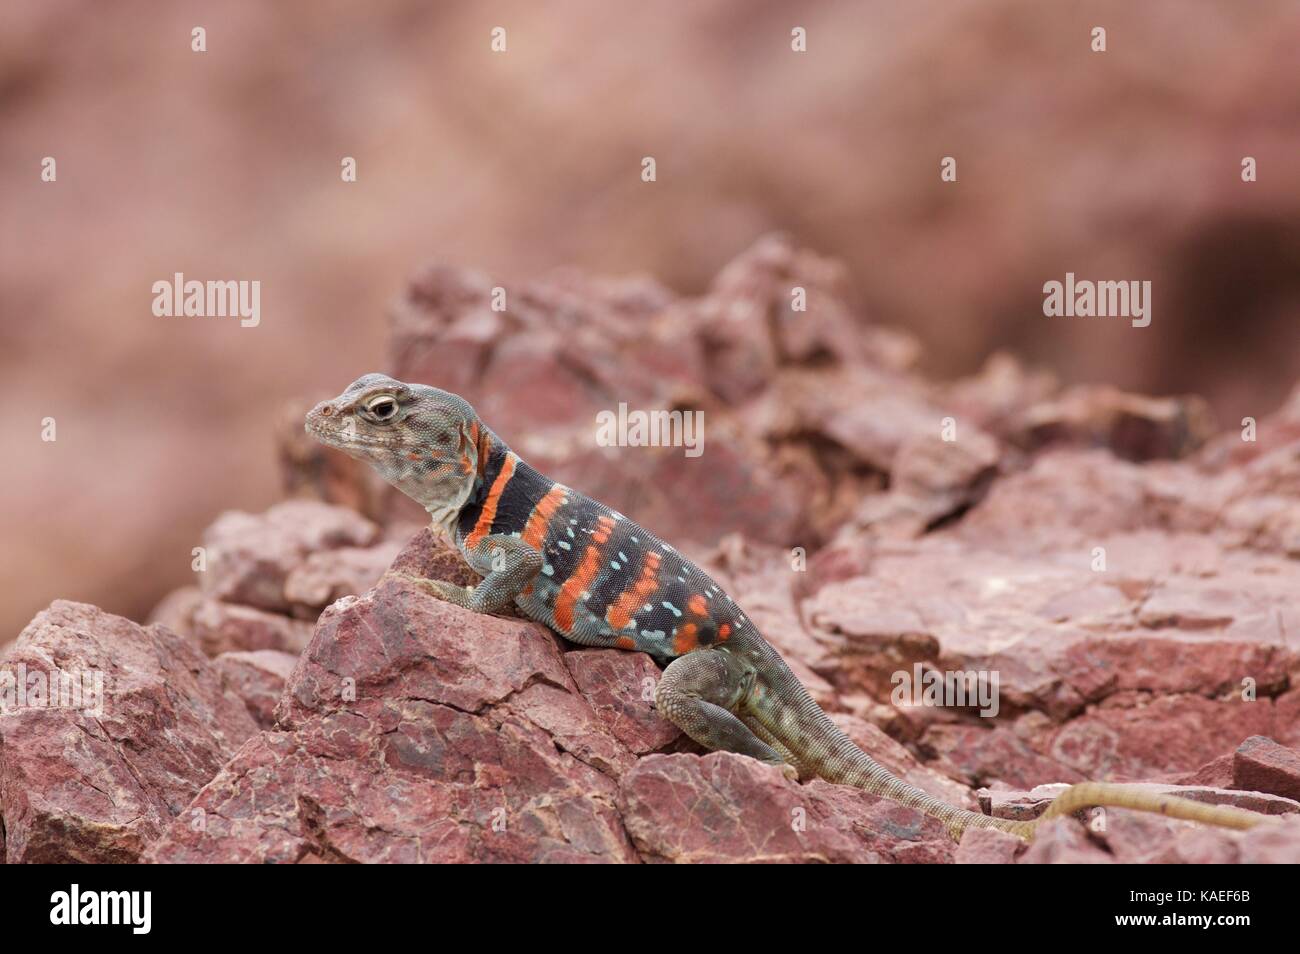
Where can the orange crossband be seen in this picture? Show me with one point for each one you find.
(535, 530)
(686, 639)
(574, 587)
(620, 611)
(489, 512)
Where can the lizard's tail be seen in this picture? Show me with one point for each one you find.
(870, 776)
(1143, 799)
(807, 738)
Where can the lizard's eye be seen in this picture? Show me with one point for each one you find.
(382, 408)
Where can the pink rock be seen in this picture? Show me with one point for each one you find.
(250, 558)
(229, 627)
(176, 610)
(258, 678)
(871, 416)
(984, 755)
(1063, 841)
(931, 478)
(620, 686)
(987, 846)
(1262, 765)
(444, 326)
(1286, 709)
(844, 558)
(414, 730)
(1134, 736)
(411, 781)
(1216, 773)
(1134, 426)
(425, 556)
(867, 633)
(728, 808)
(1277, 842)
(1191, 605)
(756, 285)
(97, 784)
(329, 575)
(995, 398)
(1067, 497)
(1140, 837)
(761, 579)
(1193, 845)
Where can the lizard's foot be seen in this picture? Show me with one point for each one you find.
(788, 770)
(440, 588)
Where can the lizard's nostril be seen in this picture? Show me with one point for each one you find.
(326, 410)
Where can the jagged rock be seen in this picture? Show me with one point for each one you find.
(619, 687)
(728, 808)
(250, 558)
(1064, 841)
(329, 575)
(223, 627)
(1130, 599)
(987, 846)
(1260, 763)
(413, 730)
(96, 782)
(1134, 426)
(258, 678)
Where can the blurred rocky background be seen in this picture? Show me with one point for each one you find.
(1100, 533)
(225, 165)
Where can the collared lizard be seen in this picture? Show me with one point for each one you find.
(598, 579)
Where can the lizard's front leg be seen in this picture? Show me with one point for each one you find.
(698, 692)
(514, 564)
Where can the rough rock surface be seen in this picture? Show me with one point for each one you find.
(1263, 764)
(412, 730)
(251, 557)
(266, 577)
(725, 808)
(258, 678)
(96, 783)
(986, 846)
(1116, 580)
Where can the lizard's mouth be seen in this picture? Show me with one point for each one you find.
(318, 429)
(335, 436)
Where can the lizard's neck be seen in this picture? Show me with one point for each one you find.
(488, 456)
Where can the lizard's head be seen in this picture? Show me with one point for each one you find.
(424, 441)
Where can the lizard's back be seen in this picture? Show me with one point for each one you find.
(605, 580)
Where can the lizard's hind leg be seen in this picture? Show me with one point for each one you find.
(698, 692)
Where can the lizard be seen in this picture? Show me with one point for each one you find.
(598, 579)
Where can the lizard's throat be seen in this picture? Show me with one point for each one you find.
(442, 496)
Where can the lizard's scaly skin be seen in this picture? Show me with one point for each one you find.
(599, 579)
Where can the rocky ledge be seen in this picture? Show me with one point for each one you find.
(412, 730)
(1123, 576)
